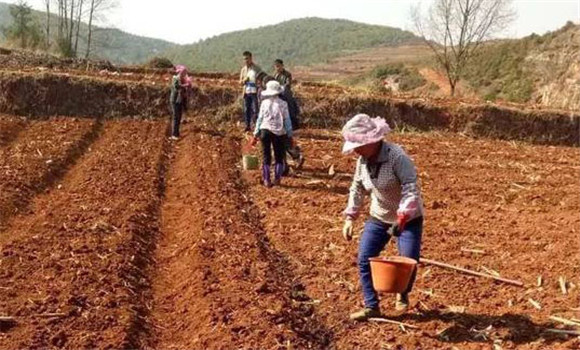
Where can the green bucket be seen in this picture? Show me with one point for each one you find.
(250, 162)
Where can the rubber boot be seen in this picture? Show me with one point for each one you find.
(286, 168)
(278, 171)
(266, 175)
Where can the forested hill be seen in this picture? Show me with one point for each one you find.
(299, 42)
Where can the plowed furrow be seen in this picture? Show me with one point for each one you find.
(71, 270)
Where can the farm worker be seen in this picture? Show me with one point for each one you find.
(272, 128)
(284, 77)
(180, 84)
(248, 80)
(386, 171)
(261, 80)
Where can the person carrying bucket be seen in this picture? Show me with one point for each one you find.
(180, 83)
(386, 171)
(272, 128)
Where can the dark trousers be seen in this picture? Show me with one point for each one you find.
(177, 113)
(373, 241)
(293, 110)
(269, 141)
(250, 109)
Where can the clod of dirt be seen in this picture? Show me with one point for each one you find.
(263, 288)
(6, 323)
(59, 339)
(298, 293)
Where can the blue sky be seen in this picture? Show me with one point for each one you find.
(186, 21)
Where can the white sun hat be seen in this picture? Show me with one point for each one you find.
(273, 88)
(363, 130)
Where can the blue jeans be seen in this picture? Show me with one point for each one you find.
(373, 241)
(250, 109)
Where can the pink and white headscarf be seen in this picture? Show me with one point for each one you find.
(180, 68)
(362, 130)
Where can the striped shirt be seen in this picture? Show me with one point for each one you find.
(392, 183)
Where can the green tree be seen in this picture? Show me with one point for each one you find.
(24, 31)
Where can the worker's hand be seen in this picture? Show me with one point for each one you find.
(394, 230)
(347, 229)
(398, 227)
(402, 220)
(254, 141)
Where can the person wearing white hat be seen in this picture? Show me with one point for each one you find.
(386, 171)
(272, 128)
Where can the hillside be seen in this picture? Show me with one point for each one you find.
(540, 69)
(110, 44)
(299, 42)
(543, 70)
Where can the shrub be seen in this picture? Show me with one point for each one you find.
(160, 62)
(381, 72)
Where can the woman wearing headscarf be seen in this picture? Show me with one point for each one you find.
(384, 170)
(272, 128)
(178, 97)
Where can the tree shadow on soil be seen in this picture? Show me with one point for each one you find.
(474, 328)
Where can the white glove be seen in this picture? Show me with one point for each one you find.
(347, 230)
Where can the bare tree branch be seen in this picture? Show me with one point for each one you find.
(455, 29)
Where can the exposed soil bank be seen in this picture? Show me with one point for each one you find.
(46, 94)
(537, 126)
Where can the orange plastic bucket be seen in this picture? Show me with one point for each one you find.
(392, 274)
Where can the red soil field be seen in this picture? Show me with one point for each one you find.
(112, 236)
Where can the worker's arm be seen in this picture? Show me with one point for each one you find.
(243, 74)
(287, 81)
(188, 83)
(356, 194)
(410, 193)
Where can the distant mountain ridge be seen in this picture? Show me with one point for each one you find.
(302, 41)
(298, 42)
